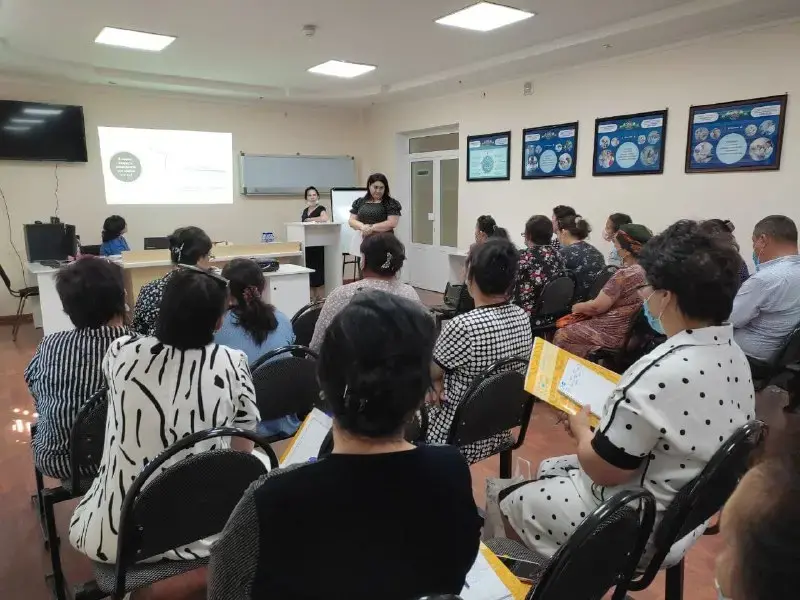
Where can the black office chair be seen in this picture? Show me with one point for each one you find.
(86, 451)
(463, 303)
(352, 260)
(695, 504)
(304, 322)
(494, 403)
(286, 386)
(22, 294)
(600, 554)
(600, 280)
(555, 302)
(158, 518)
(783, 370)
(414, 433)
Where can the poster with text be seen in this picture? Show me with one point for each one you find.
(630, 144)
(550, 151)
(736, 136)
(488, 156)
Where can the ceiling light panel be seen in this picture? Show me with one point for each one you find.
(338, 68)
(485, 16)
(134, 40)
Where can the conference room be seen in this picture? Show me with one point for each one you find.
(215, 219)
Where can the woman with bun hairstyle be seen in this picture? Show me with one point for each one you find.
(486, 228)
(580, 257)
(473, 341)
(383, 256)
(187, 246)
(374, 372)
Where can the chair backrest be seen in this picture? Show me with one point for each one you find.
(304, 322)
(87, 437)
(704, 496)
(452, 293)
(556, 296)
(5, 278)
(602, 552)
(790, 352)
(600, 280)
(156, 516)
(494, 402)
(465, 302)
(285, 382)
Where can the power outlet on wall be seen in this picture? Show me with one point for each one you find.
(527, 88)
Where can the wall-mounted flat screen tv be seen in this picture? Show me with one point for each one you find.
(35, 131)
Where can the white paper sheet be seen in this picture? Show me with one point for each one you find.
(582, 385)
(483, 583)
(309, 438)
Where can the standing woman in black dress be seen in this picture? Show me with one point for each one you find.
(315, 255)
(376, 212)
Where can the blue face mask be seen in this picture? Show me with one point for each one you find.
(613, 257)
(756, 262)
(654, 322)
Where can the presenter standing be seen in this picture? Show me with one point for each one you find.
(376, 212)
(315, 255)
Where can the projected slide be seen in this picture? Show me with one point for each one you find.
(161, 166)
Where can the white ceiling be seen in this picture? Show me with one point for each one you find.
(256, 48)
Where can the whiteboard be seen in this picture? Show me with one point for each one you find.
(341, 202)
(275, 175)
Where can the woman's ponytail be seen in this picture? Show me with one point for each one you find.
(247, 283)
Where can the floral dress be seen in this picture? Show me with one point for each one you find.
(538, 266)
(585, 262)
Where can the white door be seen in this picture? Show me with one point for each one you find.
(434, 218)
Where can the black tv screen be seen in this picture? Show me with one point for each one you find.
(35, 131)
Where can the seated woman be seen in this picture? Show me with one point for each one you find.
(613, 223)
(724, 230)
(162, 389)
(472, 342)
(539, 264)
(66, 369)
(383, 257)
(254, 327)
(486, 228)
(671, 410)
(611, 314)
(582, 259)
(187, 246)
(366, 542)
(113, 241)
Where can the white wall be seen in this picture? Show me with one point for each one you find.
(733, 67)
(266, 129)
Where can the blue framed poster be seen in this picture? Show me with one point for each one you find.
(736, 136)
(630, 144)
(488, 157)
(550, 151)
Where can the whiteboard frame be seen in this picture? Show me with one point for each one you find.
(242, 155)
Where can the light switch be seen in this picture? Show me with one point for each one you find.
(431, 217)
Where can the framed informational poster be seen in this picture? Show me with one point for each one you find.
(630, 144)
(550, 151)
(736, 136)
(488, 157)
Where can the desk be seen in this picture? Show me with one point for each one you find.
(48, 314)
(327, 235)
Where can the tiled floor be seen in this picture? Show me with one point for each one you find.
(22, 557)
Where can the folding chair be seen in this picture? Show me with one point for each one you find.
(158, 517)
(495, 402)
(600, 554)
(555, 302)
(783, 370)
(694, 505)
(304, 322)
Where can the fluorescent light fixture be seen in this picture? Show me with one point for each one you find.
(43, 112)
(16, 127)
(136, 40)
(340, 68)
(29, 121)
(485, 16)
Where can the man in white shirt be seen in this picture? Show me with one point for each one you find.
(767, 308)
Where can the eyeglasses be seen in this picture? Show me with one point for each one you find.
(221, 281)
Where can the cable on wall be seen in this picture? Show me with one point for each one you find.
(11, 238)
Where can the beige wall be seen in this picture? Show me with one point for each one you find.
(733, 67)
(266, 129)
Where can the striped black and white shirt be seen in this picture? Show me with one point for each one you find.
(64, 373)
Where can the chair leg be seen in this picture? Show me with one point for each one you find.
(56, 579)
(673, 586)
(37, 501)
(17, 317)
(793, 387)
(505, 464)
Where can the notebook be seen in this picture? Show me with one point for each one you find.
(308, 439)
(483, 583)
(585, 387)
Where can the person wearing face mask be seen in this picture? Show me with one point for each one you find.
(670, 411)
(613, 223)
(315, 212)
(760, 530)
(767, 308)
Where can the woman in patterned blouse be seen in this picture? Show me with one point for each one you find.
(539, 263)
(580, 257)
(187, 246)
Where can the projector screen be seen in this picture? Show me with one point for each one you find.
(161, 166)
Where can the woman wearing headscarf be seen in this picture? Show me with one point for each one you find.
(607, 318)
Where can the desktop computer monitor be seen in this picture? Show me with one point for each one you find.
(50, 241)
(156, 243)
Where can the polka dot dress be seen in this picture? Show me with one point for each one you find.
(666, 418)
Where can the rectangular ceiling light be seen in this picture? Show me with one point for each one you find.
(135, 40)
(339, 68)
(485, 16)
(27, 121)
(43, 112)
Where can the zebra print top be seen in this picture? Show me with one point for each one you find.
(63, 374)
(158, 395)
